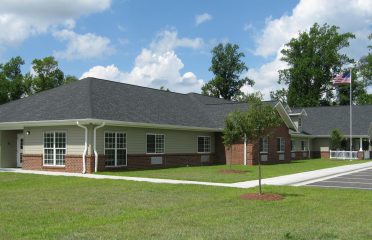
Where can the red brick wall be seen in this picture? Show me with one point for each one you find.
(235, 155)
(143, 161)
(73, 163)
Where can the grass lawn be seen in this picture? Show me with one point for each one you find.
(50, 207)
(212, 174)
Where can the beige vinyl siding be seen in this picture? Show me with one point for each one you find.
(320, 144)
(297, 143)
(33, 143)
(8, 148)
(175, 141)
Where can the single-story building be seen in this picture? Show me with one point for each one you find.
(96, 125)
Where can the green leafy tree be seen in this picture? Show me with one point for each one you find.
(258, 121)
(47, 74)
(313, 57)
(279, 95)
(11, 80)
(249, 96)
(69, 79)
(336, 139)
(227, 66)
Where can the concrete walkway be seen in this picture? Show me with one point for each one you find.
(296, 179)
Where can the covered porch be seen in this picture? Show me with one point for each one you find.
(11, 148)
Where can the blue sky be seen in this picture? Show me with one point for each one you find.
(154, 43)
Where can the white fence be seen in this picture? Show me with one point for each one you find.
(343, 154)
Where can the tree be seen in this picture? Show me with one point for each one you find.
(227, 66)
(164, 89)
(336, 139)
(11, 80)
(358, 91)
(313, 58)
(279, 95)
(249, 96)
(259, 120)
(47, 74)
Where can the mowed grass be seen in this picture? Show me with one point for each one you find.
(213, 174)
(50, 207)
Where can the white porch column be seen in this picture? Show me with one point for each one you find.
(360, 144)
(245, 149)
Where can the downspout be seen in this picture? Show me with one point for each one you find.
(94, 146)
(245, 149)
(85, 146)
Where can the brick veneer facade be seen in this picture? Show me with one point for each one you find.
(235, 154)
(73, 163)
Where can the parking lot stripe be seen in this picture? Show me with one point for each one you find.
(325, 186)
(346, 182)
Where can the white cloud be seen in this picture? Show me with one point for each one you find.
(168, 40)
(156, 66)
(248, 27)
(350, 16)
(199, 19)
(83, 46)
(18, 21)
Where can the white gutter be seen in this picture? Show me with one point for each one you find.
(94, 146)
(85, 146)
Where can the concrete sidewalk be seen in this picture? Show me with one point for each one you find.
(296, 179)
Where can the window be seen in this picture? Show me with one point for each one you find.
(115, 149)
(303, 145)
(280, 144)
(264, 145)
(155, 143)
(54, 148)
(204, 144)
(299, 122)
(293, 147)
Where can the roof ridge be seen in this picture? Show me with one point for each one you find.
(133, 85)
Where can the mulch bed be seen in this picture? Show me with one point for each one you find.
(228, 171)
(262, 197)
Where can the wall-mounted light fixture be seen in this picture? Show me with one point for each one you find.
(28, 133)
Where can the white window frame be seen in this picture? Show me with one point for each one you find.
(157, 151)
(299, 122)
(303, 145)
(204, 142)
(116, 148)
(265, 144)
(54, 148)
(293, 145)
(281, 144)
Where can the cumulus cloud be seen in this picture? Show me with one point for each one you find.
(18, 21)
(82, 46)
(156, 66)
(350, 16)
(202, 18)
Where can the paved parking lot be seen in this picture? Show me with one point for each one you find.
(357, 180)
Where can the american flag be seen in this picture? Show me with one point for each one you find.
(344, 78)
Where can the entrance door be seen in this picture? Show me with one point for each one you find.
(19, 149)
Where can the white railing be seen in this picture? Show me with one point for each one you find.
(343, 154)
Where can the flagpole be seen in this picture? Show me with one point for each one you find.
(351, 120)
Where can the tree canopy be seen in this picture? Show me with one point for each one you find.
(227, 66)
(255, 123)
(15, 85)
(313, 58)
(336, 139)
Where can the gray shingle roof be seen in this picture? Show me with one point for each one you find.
(92, 98)
(322, 120)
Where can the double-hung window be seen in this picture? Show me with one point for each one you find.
(204, 144)
(293, 146)
(264, 144)
(303, 145)
(280, 144)
(54, 148)
(115, 149)
(155, 143)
